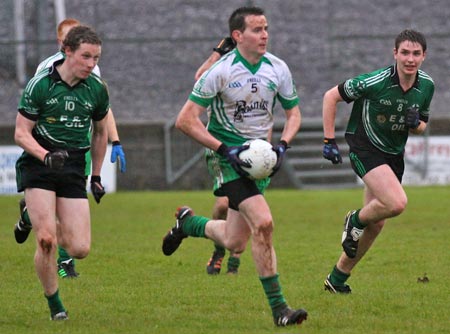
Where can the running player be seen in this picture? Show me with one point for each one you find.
(388, 105)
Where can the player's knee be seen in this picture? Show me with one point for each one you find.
(47, 243)
(264, 228)
(80, 252)
(397, 206)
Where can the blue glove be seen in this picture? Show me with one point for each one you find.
(232, 155)
(97, 188)
(412, 117)
(117, 151)
(280, 150)
(331, 151)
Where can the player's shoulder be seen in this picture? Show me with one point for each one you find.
(425, 77)
(39, 80)
(48, 62)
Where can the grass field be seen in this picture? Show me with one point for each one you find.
(128, 286)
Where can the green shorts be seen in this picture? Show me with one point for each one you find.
(222, 172)
(68, 182)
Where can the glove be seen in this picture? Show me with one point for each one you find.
(232, 155)
(280, 150)
(117, 151)
(412, 117)
(331, 151)
(56, 160)
(96, 188)
(226, 45)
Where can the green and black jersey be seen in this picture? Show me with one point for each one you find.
(379, 106)
(63, 114)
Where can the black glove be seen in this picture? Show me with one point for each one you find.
(232, 155)
(226, 45)
(331, 151)
(56, 160)
(280, 149)
(412, 117)
(96, 188)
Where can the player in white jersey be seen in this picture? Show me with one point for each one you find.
(66, 264)
(240, 90)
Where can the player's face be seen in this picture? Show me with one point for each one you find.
(253, 40)
(409, 57)
(83, 60)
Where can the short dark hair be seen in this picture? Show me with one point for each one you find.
(411, 36)
(237, 18)
(80, 34)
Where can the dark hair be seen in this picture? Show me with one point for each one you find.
(237, 18)
(80, 34)
(411, 36)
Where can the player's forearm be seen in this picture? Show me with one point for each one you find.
(329, 108)
(113, 134)
(292, 124)
(98, 149)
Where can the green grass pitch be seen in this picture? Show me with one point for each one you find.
(127, 285)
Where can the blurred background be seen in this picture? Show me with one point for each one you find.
(151, 50)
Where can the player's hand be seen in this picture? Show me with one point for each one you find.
(331, 151)
(226, 45)
(117, 152)
(412, 117)
(280, 149)
(232, 155)
(56, 160)
(96, 188)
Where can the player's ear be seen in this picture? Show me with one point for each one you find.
(236, 35)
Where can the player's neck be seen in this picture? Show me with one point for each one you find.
(407, 80)
(67, 75)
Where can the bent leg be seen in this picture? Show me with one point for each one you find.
(74, 228)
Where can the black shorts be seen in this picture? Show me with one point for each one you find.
(365, 157)
(237, 191)
(68, 182)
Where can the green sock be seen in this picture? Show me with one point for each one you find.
(194, 226)
(25, 217)
(337, 277)
(63, 255)
(356, 222)
(233, 263)
(219, 249)
(272, 288)
(55, 304)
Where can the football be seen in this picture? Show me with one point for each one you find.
(261, 156)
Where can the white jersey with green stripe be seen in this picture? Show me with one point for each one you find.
(380, 104)
(241, 97)
(48, 62)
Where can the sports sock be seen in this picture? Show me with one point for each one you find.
(219, 249)
(194, 226)
(274, 295)
(338, 277)
(55, 304)
(63, 255)
(233, 263)
(356, 222)
(25, 217)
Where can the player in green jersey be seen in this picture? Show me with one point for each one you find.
(388, 105)
(240, 90)
(56, 112)
(66, 264)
